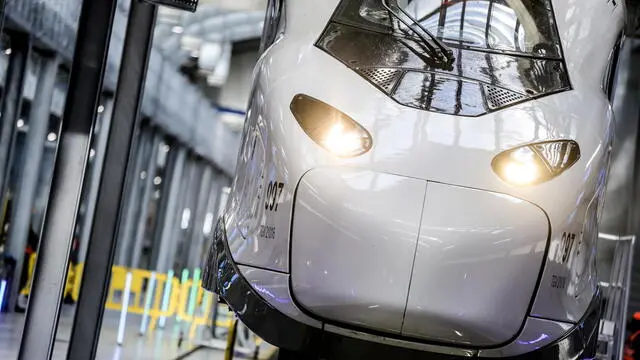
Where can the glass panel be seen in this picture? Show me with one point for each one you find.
(501, 52)
(179, 115)
(525, 26)
(519, 26)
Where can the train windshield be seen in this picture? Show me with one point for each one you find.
(524, 27)
(498, 53)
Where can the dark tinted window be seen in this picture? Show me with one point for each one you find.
(517, 26)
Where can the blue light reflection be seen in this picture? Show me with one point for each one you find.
(266, 292)
(542, 337)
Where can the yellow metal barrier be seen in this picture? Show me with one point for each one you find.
(177, 303)
(77, 280)
(69, 286)
(141, 281)
(32, 264)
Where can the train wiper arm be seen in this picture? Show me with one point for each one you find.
(442, 52)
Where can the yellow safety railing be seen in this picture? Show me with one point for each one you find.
(32, 264)
(179, 299)
(72, 287)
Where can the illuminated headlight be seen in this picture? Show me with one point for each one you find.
(330, 127)
(536, 163)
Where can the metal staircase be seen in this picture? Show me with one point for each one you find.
(616, 293)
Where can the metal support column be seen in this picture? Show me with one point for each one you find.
(169, 160)
(222, 195)
(3, 13)
(85, 86)
(190, 202)
(132, 202)
(96, 173)
(216, 188)
(181, 237)
(12, 103)
(170, 222)
(34, 148)
(147, 191)
(202, 206)
(87, 323)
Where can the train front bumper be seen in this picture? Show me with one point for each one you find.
(415, 258)
(268, 320)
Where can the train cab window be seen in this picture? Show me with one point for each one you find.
(519, 26)
(524, 27)
(491, 53)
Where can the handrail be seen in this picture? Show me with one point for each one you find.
(615, 237)
(614, 318)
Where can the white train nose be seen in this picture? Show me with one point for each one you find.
(416, 258)
(478, 259)
(353, 241)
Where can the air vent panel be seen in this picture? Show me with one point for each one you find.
(498, 98)
(383, 77)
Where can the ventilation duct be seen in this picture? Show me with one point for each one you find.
(218, 65)
(211, 24)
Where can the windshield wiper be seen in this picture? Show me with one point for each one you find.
(440, 50)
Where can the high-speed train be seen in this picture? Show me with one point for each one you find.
(423, 177)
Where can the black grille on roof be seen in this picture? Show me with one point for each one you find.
(498, 98)
(384, 78)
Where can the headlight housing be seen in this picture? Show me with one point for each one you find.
(536, 163)
(330, 128)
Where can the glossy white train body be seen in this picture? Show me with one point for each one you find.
(421, 239)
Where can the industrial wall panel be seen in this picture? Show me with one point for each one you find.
(170, 100)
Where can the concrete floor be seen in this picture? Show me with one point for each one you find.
(161, 345)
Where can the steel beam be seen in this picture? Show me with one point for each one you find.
(87, 324)
(162, 202)
(34, 148)
(169, 223)
(177, 232)
(183, 235)
(85, 86)
(179, 247)
(202, 207)
(3, 13)
(12, 103)
(132, 202)
(147, 191)
(96, 173)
